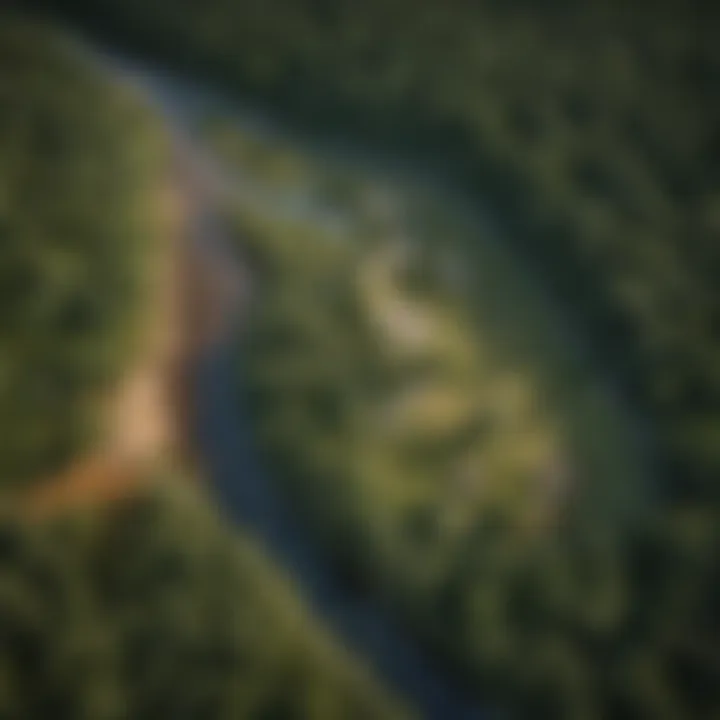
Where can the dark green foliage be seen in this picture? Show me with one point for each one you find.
(79, 167)
(592, 129)
(591, 126)
(153, 610)
(55, 659)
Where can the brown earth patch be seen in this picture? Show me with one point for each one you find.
(148, 414)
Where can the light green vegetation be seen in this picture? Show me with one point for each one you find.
(81, 167)
(512, 368)
(449, 437)
(153, 609)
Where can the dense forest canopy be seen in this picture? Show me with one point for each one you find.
(153, 609)
(81, 164)
(591, 128)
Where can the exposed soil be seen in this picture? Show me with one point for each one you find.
(149, 414)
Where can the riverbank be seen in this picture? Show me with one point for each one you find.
(124, 591)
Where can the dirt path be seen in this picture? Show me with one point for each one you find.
(149, 414)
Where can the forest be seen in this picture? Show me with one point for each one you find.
(506, 521)
(150, 606)
(434, 426)
(77, 234)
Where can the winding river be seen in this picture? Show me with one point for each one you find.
(224, 431)
(224, 435)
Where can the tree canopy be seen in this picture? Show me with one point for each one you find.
(82, 161)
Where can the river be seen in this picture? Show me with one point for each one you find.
(524, 320)
(247, 495)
